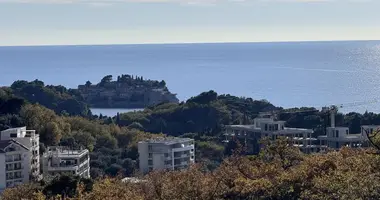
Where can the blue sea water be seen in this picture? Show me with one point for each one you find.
(112, 111)
(290, 74)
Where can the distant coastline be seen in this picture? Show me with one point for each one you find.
(189, 43)
(282, 73)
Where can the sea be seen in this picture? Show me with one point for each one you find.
(287, 74)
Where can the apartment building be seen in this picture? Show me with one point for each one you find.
(166, 154)
(338, 137)
(63, 160)
(14, 164)
(266, 126)
(30, 140)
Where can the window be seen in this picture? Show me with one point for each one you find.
(9, 184)
(192, 150)
(337, 145)
(168, 162)
(166, 155)
(192, 157)
(150, 148)
(150, 155)
(9, 176)
(337, 133)
(150, 162)
(9, 158)
(17, 175)
(150, 169)
(266, 127)
(347, 132)
(17, 166)
(13, 135)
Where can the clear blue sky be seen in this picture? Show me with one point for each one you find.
(42, 22)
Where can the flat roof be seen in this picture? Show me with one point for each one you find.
(253, 128)
(351, 137)
(62, 152)
(167, 140)
(13, 129)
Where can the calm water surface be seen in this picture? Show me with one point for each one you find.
(286, 74)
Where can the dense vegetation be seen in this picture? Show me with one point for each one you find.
(112, 141)
(57, 98)
(205, 113)
(278, 172)
(113, 148)
(58, 115)
(132, 81)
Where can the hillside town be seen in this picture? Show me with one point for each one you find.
(23, 161)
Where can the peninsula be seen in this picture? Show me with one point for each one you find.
(126, 92)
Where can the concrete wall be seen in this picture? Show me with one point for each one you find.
(2, 172)
(158, 161)
(26, 163)
(143, 157)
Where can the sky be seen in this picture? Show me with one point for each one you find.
(77, 22)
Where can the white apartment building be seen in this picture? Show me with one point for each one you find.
(31, 141)
(338, 137)
(62, 160)
(14, 164)
(166, 154)
(266, 126)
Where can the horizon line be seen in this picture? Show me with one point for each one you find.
(179, 43)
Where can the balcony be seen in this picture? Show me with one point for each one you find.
(13, 159)
(14, 169)
(17, 159)
(182, 163)
(14, 177)
(31, 133)
(63, 168)
(182, 156)
(185, 148)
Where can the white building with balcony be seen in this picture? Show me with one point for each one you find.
(166, 154)
(62, 160)
(266, 126)
(31, 141)
(14, 164)
(338, 137)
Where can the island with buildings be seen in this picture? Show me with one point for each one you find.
(126, 92)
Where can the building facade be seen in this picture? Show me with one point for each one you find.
(62, 160)
(30, 140)
(338, 137)
(266, 126)
(166, 154)
(14, 164)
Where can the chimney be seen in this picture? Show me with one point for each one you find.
(332, 117)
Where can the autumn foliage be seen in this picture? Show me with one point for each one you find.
(279, 172)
